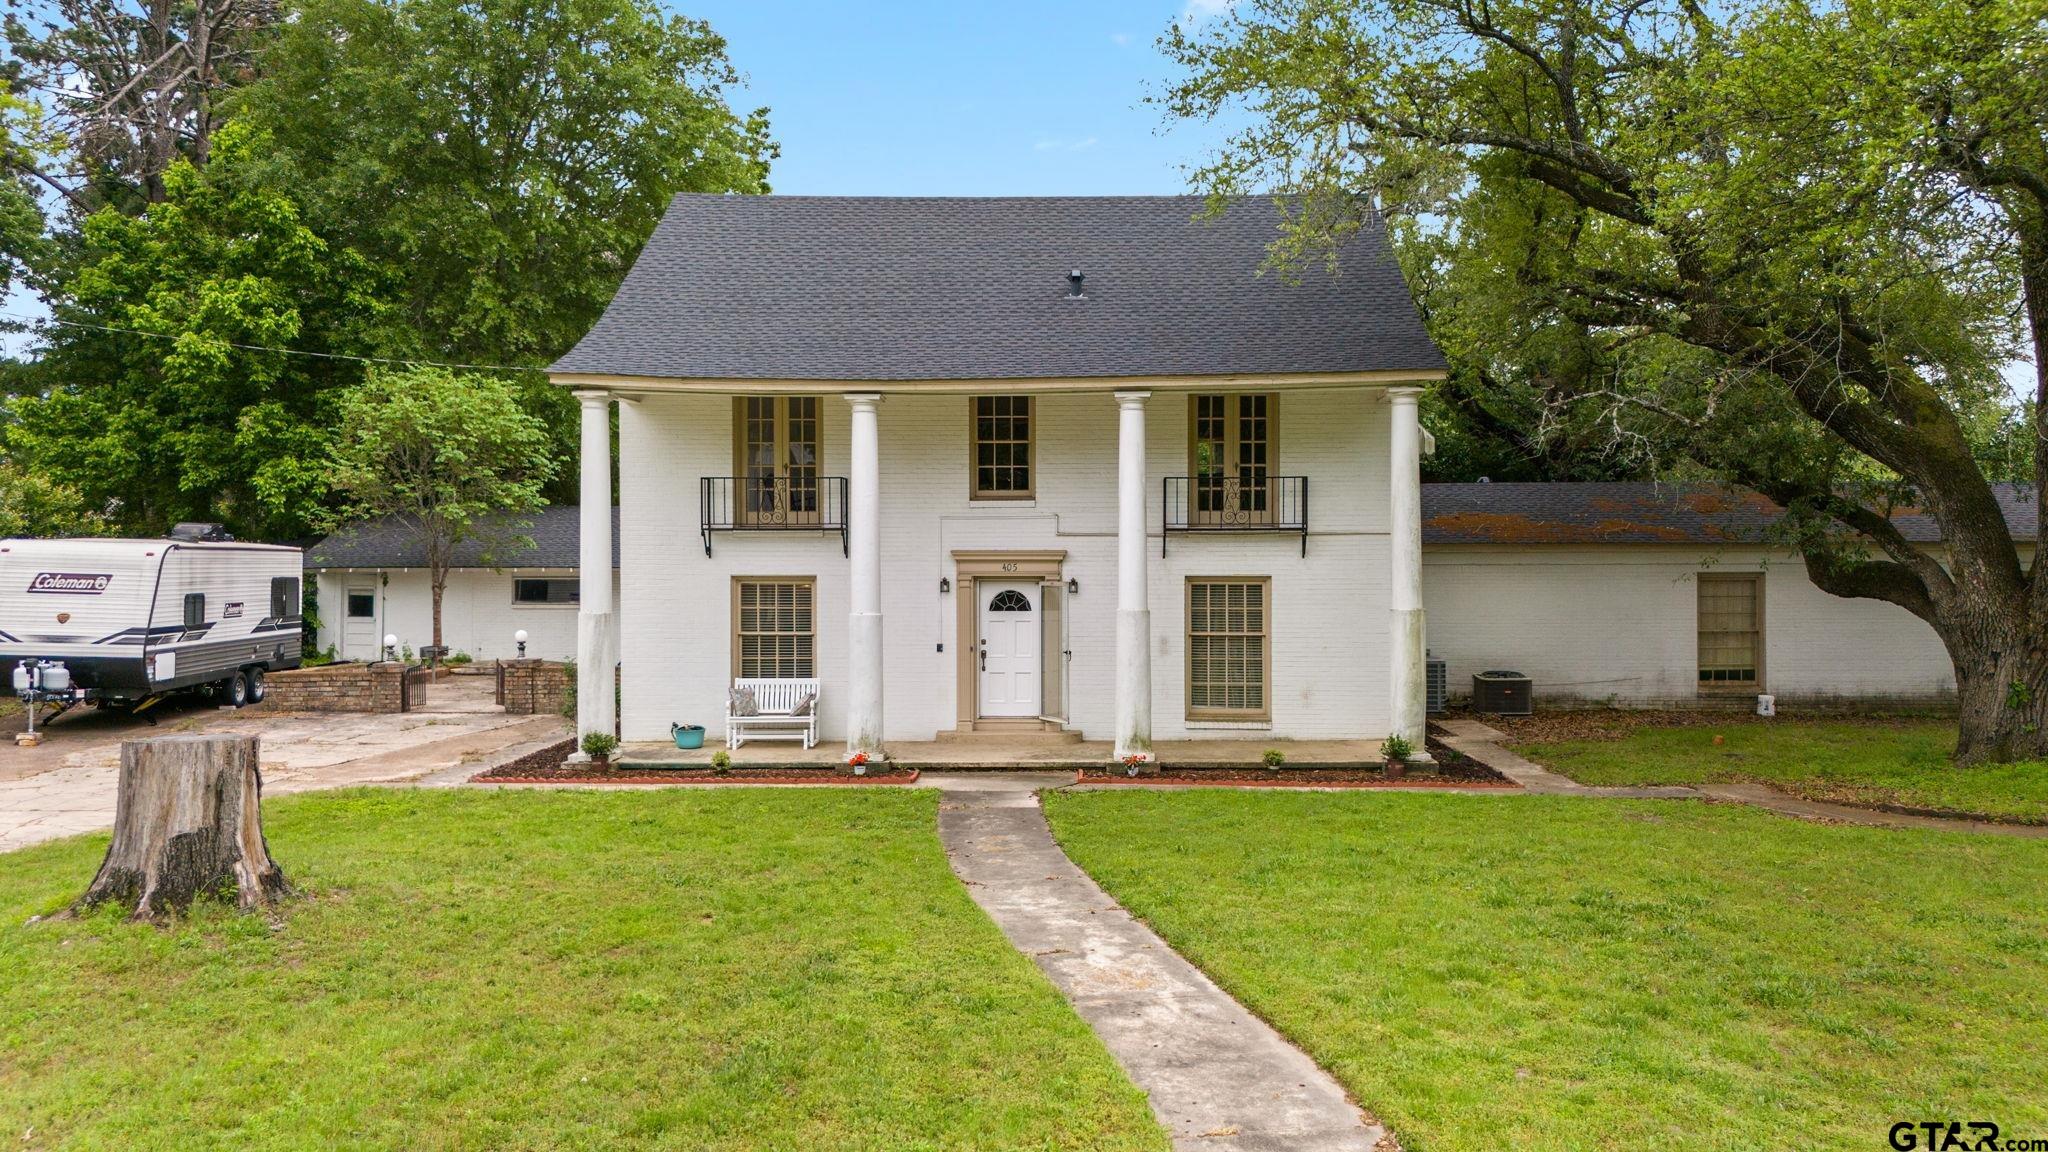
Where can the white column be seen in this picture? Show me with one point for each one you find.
(1407, 636)
(864, 548)
(597, 650)
(1133, 556)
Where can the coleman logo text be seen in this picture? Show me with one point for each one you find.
(88, 583)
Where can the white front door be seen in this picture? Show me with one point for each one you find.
(359, 639)
(1009, 647)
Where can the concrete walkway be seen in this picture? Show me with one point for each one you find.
(1219, 1078)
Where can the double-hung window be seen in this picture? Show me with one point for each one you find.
(1002, 436)
(1230, 648)
(774, 628)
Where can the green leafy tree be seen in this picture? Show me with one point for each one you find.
(153, 399)
(33, 505)
(1782, 244)
(508, 157)
(449, 458)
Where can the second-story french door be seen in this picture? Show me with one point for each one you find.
(1230, 449)
(779, 461)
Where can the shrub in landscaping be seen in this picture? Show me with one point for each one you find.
(1273, 757)
(600, 745)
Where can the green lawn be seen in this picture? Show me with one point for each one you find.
(691, 970)
(1866, 763)
(1559, 973)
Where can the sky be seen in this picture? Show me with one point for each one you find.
(967, 98)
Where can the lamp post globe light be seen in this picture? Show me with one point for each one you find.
(519, 638)
(390, 646)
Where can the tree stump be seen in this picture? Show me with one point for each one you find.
(187, 823)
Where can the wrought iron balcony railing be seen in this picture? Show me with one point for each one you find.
(774, 504)
(1235, 503)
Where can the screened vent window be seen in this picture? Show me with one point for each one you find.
(284, 597)
(1002, 447)
(1731, 632)
(1229, 649)
(195, 611)
(532, 591)
(774, 630)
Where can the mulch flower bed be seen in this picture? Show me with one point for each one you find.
(1451, 770)
(549, 766)
(1616, 723)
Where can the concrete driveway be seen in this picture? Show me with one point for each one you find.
(67, 785)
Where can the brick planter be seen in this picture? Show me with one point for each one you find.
(534, 687)
(337, 688)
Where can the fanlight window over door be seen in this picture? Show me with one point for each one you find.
(1010, 600)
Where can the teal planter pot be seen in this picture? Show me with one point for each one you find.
(687, 735)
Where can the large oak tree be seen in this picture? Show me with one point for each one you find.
(1781, 244)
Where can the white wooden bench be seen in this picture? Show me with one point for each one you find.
(775, 721)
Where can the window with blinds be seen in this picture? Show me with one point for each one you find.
(1230, 657)
(774, 629)
(1731, 632)
(1002, 447)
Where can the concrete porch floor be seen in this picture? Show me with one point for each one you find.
(994, 751)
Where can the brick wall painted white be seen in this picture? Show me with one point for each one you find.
(1620, 623)
(1330, 609)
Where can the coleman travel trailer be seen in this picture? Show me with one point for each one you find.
(123, 622)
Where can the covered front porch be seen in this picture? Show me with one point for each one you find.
(1021, 752)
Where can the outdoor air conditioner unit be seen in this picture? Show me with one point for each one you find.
(1502, 693)
(1438, 684)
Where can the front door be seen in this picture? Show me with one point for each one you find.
(1009, 647)
(359, 640)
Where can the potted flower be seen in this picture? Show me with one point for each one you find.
(599, 746)
(1133, 762)
(1396, 750)
(859, 763)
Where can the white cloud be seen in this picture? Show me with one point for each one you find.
(1064, 143)
(1196, 13)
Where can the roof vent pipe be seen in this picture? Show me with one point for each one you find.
(1074, 279)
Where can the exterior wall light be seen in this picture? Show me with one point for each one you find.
(1073, 586)
(945, 585)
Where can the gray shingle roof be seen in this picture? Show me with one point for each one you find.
(1639, 514)
(886, 288)
(389, 543)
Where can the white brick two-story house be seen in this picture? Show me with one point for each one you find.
(1001, 464)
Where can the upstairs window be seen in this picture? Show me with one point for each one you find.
(1003, 428)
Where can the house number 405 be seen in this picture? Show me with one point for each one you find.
(1010, 567)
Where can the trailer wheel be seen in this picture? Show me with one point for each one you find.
(237, 687)
(256, 689)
